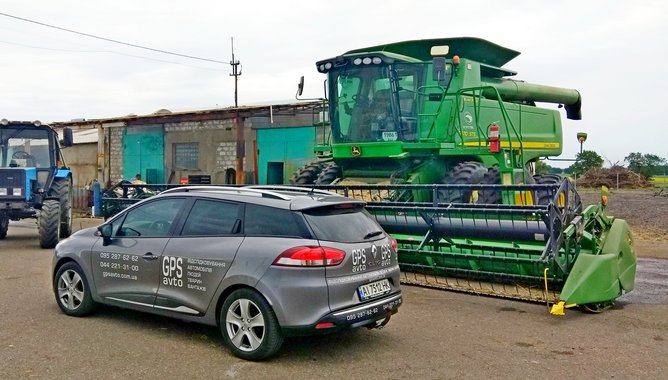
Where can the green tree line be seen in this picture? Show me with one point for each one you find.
(645, 164)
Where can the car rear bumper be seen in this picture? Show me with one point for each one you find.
(374, 312)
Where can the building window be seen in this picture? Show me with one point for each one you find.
(186, 156)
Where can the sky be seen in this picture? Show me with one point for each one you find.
(610, 51)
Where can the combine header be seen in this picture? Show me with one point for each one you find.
(558, 253)
(442, 142)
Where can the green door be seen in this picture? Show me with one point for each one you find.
(144, 153)
(281, 151)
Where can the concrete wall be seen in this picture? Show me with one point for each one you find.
(217, 145)
(82, 160)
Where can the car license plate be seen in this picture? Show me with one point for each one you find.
(374, 289)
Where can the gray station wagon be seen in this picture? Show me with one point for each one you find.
(259, 263)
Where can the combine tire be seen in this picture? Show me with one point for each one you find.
(544, 197)
(62, 189)
(595, 308)
(48, 223)
(464, 173)
(329, 174)
(307, 175)
(4, 225)
(491, 197)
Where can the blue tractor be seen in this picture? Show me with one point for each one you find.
(34, 181)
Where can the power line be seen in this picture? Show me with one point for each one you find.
(112, 40)
(107, 52)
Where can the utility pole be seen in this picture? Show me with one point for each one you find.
(236, 72)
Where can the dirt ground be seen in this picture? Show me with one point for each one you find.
(646, 212)
(435, 335)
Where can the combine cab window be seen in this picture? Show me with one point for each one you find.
(375, 103)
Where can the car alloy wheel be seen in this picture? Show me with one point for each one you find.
(249, 326)
(70, 290)
(245, 325)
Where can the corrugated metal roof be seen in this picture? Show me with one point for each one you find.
(163, 113)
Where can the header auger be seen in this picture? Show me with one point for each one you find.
(441, 142)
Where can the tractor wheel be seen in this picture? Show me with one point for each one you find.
(491, 197)
(307, 175)
(62, 189)
(329, 174)
(48, 223)
(4, 225)
(544, 197)
(464, 173)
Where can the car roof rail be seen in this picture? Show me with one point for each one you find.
(294, 189)
(228, 189)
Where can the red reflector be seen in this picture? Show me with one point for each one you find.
(324, 325)
(310, 256)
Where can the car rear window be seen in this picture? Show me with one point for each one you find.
(269, 221)
(345, 224)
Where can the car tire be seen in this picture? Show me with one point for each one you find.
(249, 326)
(72, 292)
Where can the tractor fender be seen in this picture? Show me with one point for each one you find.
(63, 173)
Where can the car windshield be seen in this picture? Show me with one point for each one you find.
(343, 224)
(374, 103)
(24, 147)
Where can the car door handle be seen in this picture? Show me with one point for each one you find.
(148, 256)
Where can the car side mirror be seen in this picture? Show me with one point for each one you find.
(105, 231)
(68, 138)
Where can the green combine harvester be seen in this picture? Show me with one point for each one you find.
(441, 143)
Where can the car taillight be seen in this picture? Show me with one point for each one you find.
(393, 243)
(310, 256)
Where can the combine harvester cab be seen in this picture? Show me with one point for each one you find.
(441, 141)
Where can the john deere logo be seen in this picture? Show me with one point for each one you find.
(356, 150)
